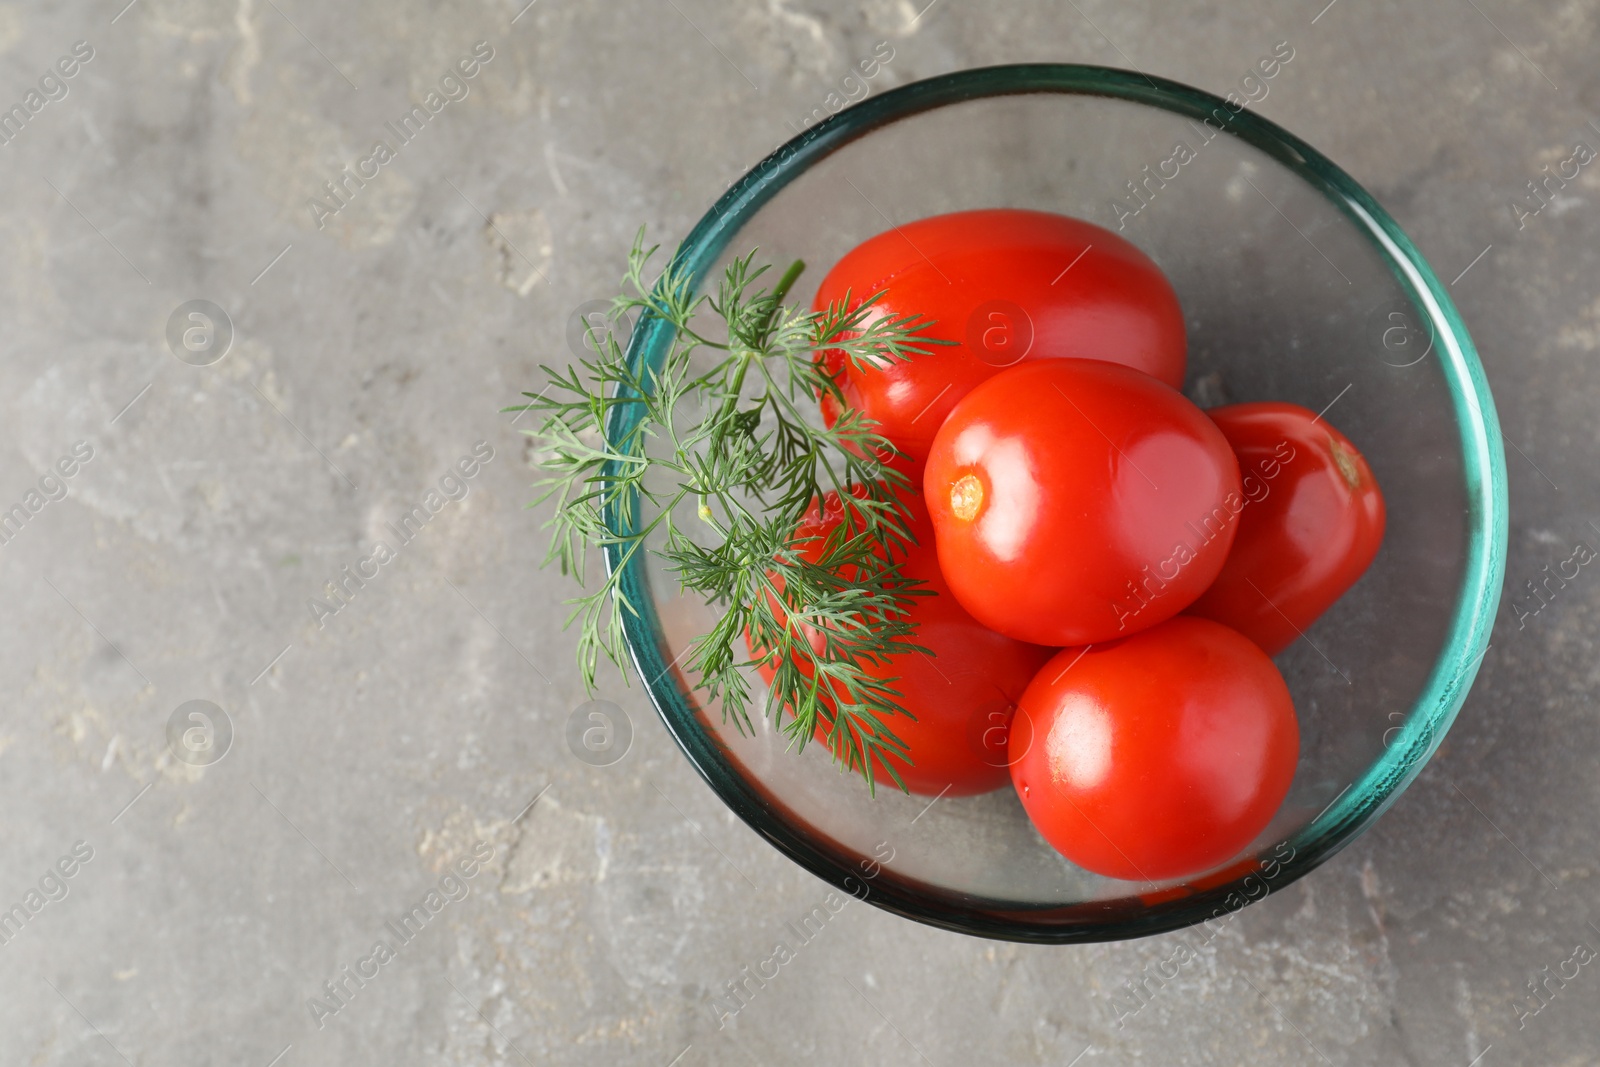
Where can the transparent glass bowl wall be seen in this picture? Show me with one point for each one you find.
(1296, 286)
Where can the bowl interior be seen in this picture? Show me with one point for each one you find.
(1296, 287)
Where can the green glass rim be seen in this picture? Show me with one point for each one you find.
(1350, 813)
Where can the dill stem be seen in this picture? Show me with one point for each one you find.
(779, 291)
(785, 283)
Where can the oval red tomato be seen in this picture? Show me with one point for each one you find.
(962, 693)
(1007, 286)
(1076, 501)
(1311, 526)
(1158, 756)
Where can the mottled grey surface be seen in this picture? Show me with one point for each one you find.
(378, 747)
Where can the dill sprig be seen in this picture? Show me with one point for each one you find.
(713, 457)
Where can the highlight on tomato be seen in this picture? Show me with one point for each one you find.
(1312, 524)
(1076, 501)
(1006, 287)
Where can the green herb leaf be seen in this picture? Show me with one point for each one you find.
(738, 437)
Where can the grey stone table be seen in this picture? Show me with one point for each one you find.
(181, 514)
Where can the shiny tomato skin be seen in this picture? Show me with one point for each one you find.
(1312, 524)
(997, 282)
(1077, 501)
(1158, 756)
(962, 696)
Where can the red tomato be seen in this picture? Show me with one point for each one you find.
(1158, 756)
(962, 695)
(1007, 286)
(1312, 523)
(1077, 501)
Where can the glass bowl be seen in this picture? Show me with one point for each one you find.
(1296, 286)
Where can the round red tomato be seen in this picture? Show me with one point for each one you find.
(1008, 287)
(1076, 501)
(962, 693)
(1158, 756)
(1312, 523)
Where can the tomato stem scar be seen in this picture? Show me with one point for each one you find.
(966, 497)
(1345, 462)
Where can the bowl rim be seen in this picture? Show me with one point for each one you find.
(1217, 895)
